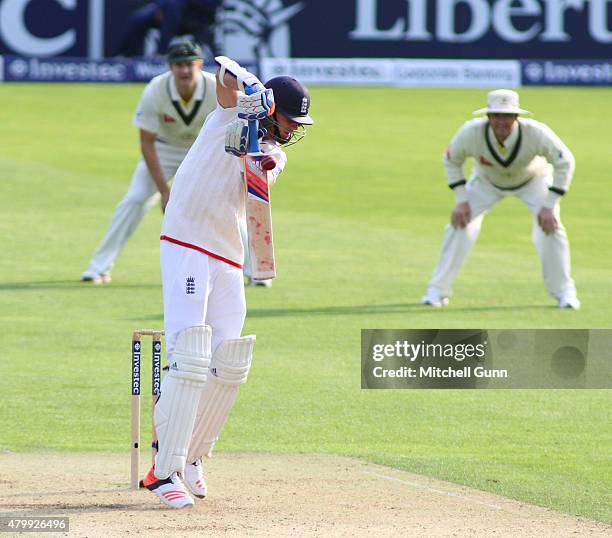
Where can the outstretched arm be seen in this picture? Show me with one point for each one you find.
(237, 87)
(232, 79)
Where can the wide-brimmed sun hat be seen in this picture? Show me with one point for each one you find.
(502, 102)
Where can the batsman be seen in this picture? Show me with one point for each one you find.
(201, 263)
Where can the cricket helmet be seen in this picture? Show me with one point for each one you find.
(292, 100)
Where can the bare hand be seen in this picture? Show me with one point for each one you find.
(547, 220)
(461, 215)
(165, 196)
(268, 162)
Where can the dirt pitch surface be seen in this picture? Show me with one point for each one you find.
(269, 495)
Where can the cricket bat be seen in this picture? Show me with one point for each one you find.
(257, 206)
(259, 219)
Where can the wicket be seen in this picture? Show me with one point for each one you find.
(136, 390)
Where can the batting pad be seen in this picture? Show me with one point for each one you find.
(228, 370)
(175, 412)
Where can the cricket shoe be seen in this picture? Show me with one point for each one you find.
(194, 478)
(569, 301)
(252, 282)
(96, 278)
(171, 491)
(433, 298)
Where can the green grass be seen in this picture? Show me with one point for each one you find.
(358, 223)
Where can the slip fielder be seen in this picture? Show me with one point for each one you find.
(170, 114)
(201, 260)
(512, 156)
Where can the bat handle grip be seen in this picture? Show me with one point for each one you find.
(253, 148)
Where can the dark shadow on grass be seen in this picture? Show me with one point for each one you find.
(69, 284)
(500, 308)
(358, 310)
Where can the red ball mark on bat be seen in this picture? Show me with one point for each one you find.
(257, 224)
(268, 238)
(268, 162)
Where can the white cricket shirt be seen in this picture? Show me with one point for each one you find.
(162, 111)
(208, 193)
(528, 152)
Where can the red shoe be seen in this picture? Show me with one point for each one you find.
(171, 491)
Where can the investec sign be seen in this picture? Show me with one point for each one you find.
(513, 21)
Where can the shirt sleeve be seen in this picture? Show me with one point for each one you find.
(562, 161)
(221, 117)
(454, 160)
(147, 115)
(270, 147)
(280, 164)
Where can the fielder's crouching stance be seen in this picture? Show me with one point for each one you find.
(512, 157)
(201, 262)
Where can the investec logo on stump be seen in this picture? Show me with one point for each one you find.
(513, 21)
(135, 367)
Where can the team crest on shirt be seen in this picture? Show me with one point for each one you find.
(168, 118)
(485, 162)
(190, 286)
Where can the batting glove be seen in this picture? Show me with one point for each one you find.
(236, 137)
(256, 106)
(245, 78)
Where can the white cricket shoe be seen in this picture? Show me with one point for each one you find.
(569, 301)
(433, 298)
(171, 491)
(194, 478)
(96, 278)
(251, 282)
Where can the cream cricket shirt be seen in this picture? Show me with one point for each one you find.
(162, 111)
(208, 194)
(528, 153)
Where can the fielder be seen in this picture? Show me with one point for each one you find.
(170, 114)
(512, 157)
(201, 261)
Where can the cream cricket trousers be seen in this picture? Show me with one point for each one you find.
(200, 290)
(553, 249)
(140, 198)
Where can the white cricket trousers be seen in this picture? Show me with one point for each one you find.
(140, 198)
(553, 249)
(200, 290)
(244, 236)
